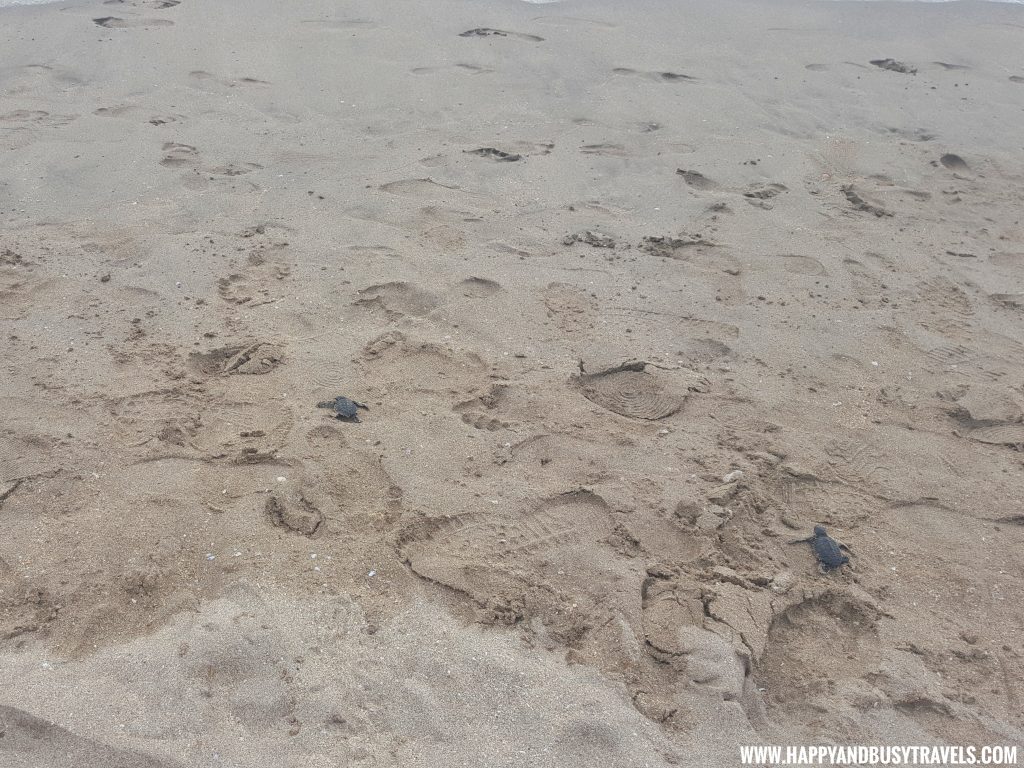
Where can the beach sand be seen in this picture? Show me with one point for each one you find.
(634, 296)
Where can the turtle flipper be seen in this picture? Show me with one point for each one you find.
(824, 568)
(802, 541)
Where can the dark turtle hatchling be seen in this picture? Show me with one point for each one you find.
(344, 408)
(828, 551)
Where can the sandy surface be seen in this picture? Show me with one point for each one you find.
(214, 216)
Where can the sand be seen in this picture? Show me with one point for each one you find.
(634, 297)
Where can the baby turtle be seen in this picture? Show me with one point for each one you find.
(828, 551)
(344, 408)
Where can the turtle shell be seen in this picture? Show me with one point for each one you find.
(343, 407)
(828, 552)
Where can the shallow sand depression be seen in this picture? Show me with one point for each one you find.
(634, 298)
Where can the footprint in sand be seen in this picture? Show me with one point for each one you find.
(186, 156)
(340, 24)
(35, 117)
(251, 283)
(479, 287)
(482, 412)
(488, 32)
(946, 308)
(233, 169)
(948, 357)
(955, 163)
(573, 309)
(495, 154)
(696, 179)
(759, 194)
(471, 69)
(393, 301)
(999, 434)
(158, 5)
(247, 359)
(801, 265)
(294, 511)
(37, 80)
(482, 556)
(440, 198)
(239, 288)
(677, 248)
(831, 623)
(176, 155)
(894, 66)
(861, 203)
(114, 111)
(630, 391)
(113, 22)
(686, 325)
(612, 150)
(1007, 260)
(415, 187)
(201, 77)
(398, 299)
(867, 281)
(1010, 300)
(124, 110)
(990, 414)
(406, 367)
(665, 77)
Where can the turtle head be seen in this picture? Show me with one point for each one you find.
(819, 530)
